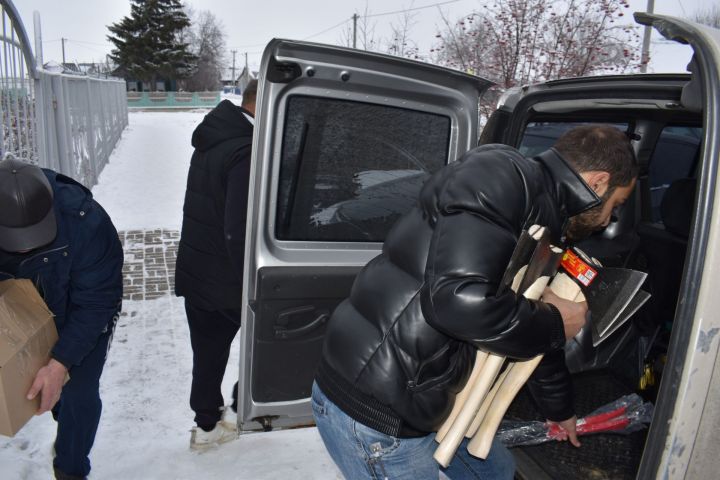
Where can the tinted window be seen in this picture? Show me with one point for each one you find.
(539, 136)
(349, 169)
(673, 158)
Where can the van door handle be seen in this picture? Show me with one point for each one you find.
(283, 332)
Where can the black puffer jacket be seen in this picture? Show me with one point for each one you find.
(208, 271)
(398, 350)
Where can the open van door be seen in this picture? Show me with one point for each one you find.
(344, 140)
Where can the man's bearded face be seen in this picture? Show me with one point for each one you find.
(588, 222)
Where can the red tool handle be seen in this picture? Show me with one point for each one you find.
(611, 425)
(607, 421)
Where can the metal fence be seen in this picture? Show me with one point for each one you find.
(80, 120)
(69, 123)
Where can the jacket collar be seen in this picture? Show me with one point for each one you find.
(574, 195)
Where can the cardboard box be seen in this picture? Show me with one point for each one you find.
(27, 334)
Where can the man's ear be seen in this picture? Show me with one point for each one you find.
(598, 180)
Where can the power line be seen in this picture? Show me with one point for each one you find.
(241, 47)
(89, 48)
(89, 43)
(381, 15)
(410, 9)
(682, 8)
(328, 29)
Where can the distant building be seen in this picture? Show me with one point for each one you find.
(238, 83)
(160, 86)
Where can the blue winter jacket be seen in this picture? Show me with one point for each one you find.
(80, 273)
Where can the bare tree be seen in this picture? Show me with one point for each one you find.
(207, 40)
(464, 45)
(365, 34)
(514, 42)
(401, 43)
(708, 16)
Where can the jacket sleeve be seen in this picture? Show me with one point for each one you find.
(477, 223)
(236, 206)
(95, 292)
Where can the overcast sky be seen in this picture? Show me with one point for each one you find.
(250, 25)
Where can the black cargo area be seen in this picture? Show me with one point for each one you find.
(601, 456)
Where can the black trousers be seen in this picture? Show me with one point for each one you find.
(211, 334)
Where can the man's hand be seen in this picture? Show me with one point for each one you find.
(573, 313)
(569, 430)
(48, 383)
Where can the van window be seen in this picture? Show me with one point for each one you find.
(673, 158)
(349, 170)
(539, 136)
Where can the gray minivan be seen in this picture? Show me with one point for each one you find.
(343, 143)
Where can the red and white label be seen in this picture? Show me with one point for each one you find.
(578, 268)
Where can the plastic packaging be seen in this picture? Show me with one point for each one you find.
(625, 415)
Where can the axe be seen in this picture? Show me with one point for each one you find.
(530, 267)
(526, 244)
(611, 293)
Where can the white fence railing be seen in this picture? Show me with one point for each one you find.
(80, 119)
(69, 123)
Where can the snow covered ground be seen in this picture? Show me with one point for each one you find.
(144, 431)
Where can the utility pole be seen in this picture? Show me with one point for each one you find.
(246, 80)
(233, 70)
(63, 49)
(645, 55)
(355, 19)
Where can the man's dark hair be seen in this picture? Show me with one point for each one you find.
(250, 93)
(600, 147)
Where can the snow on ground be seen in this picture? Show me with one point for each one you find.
(144, 430)
(143, 185)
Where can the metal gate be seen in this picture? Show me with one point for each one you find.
(18, 134)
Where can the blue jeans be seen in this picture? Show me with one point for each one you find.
(364, 453)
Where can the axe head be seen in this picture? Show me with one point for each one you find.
(633, 306)
(607, 290)
(524, 249)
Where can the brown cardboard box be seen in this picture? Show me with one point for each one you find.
(27, 334)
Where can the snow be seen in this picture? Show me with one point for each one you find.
(144, 431)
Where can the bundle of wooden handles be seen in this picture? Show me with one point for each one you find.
(481, 405)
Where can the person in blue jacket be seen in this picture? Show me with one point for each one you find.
(53, 233)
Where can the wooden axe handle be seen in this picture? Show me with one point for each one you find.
(461, 397)
(447, 448)
(479, 446)
(452, 439)
(518, 373)
(487, 402)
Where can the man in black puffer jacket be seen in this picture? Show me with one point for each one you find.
(209, 265)
(399, 349)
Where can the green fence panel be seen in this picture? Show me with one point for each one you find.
(172, 99)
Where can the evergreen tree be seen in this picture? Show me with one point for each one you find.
(149, 43)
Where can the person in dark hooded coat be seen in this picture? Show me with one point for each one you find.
(210, 258)
(53, 233)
